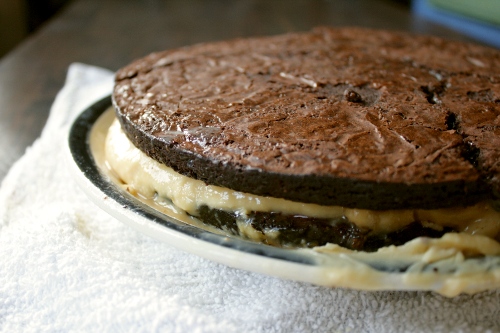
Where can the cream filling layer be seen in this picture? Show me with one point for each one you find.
(150, 178)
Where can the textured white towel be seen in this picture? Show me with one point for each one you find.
(65, 265)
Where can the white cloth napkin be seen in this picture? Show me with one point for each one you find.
(67, 266)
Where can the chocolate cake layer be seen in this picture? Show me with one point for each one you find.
(302, 231)
(349, 117)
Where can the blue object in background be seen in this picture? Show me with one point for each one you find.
(482, 31)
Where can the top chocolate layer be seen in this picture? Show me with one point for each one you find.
(352, 117)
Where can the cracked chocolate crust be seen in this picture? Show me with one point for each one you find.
(350, 117)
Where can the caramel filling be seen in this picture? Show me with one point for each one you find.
(151, 179)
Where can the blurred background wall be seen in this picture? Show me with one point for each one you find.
(19, 18)
(479, 19)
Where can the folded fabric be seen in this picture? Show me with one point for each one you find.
(65, 265)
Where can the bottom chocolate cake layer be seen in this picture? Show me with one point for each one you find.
(296, 230)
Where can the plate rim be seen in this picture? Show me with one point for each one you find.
(304, 265)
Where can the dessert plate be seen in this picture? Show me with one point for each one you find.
(422, 264)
